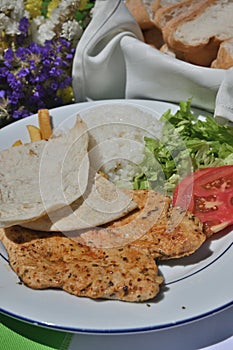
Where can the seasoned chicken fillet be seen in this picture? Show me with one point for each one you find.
(163, 231)
(116, 261)
(54, 261)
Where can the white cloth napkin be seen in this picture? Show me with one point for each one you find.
(112, 61)
(224, 99)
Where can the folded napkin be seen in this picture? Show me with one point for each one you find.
(15, 334)
(112, 61)
(224, 99)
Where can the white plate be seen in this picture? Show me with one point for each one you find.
(195, 287)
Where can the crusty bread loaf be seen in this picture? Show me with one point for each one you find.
(224, 58)
(165, 3)
(165, 49)
(142, 11)
(167, 13)
(196, 38)
(190, 30)
(153, 36)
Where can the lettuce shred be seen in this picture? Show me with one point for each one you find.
(187, 143)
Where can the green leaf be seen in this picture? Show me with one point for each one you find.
(187, 143)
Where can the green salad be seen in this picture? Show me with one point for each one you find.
(187, 143)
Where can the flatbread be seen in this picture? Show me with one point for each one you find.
(43, 176)
(103, 202)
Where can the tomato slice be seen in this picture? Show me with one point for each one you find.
(183, 193)
(208, 193)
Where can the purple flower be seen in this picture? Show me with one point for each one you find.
(23, 72)
(3, 72)
(67, 82)
(58, 61)
(69, 56)
(14, 98)
(54, 85)
(9, 55)
(2, 93)
(24, 30)
(14, 83)
(36, 49)
(21, 113)
(33, 74)
(8, 58)
(24, 25)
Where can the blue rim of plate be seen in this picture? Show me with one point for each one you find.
(120, 331)
(135, 329)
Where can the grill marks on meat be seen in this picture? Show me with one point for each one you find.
(55, 261)
(116, 261)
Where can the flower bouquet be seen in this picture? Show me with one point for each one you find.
(37, 45)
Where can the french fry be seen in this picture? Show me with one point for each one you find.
(34, 133)
(43, 132)
(44, 123)
(17, 143)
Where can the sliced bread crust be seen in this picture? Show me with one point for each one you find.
(142, 11)
(224, 58)
(196, 38)
(172, 12)
(165, 3)
(165, 49)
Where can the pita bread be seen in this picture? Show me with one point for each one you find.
(103, 202)
(43, 176)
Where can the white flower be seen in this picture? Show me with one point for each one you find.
(10, 14)
(9, 26)
(55, 17)
(43, 29)
(19, 11)
(6, 5)
(3, 20)
(71, 30)
(35, 25)
(65, 4)
(38, 21)
(13, 8)
(64, 9)
(46, 32)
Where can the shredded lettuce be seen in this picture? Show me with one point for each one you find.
(187, 143)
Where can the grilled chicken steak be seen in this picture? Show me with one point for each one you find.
(54, 261)
(163, 231)
(116, 261)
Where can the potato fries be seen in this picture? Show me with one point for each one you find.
(17, 143)
(44, 123)
(34, 133)
(43, 132)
